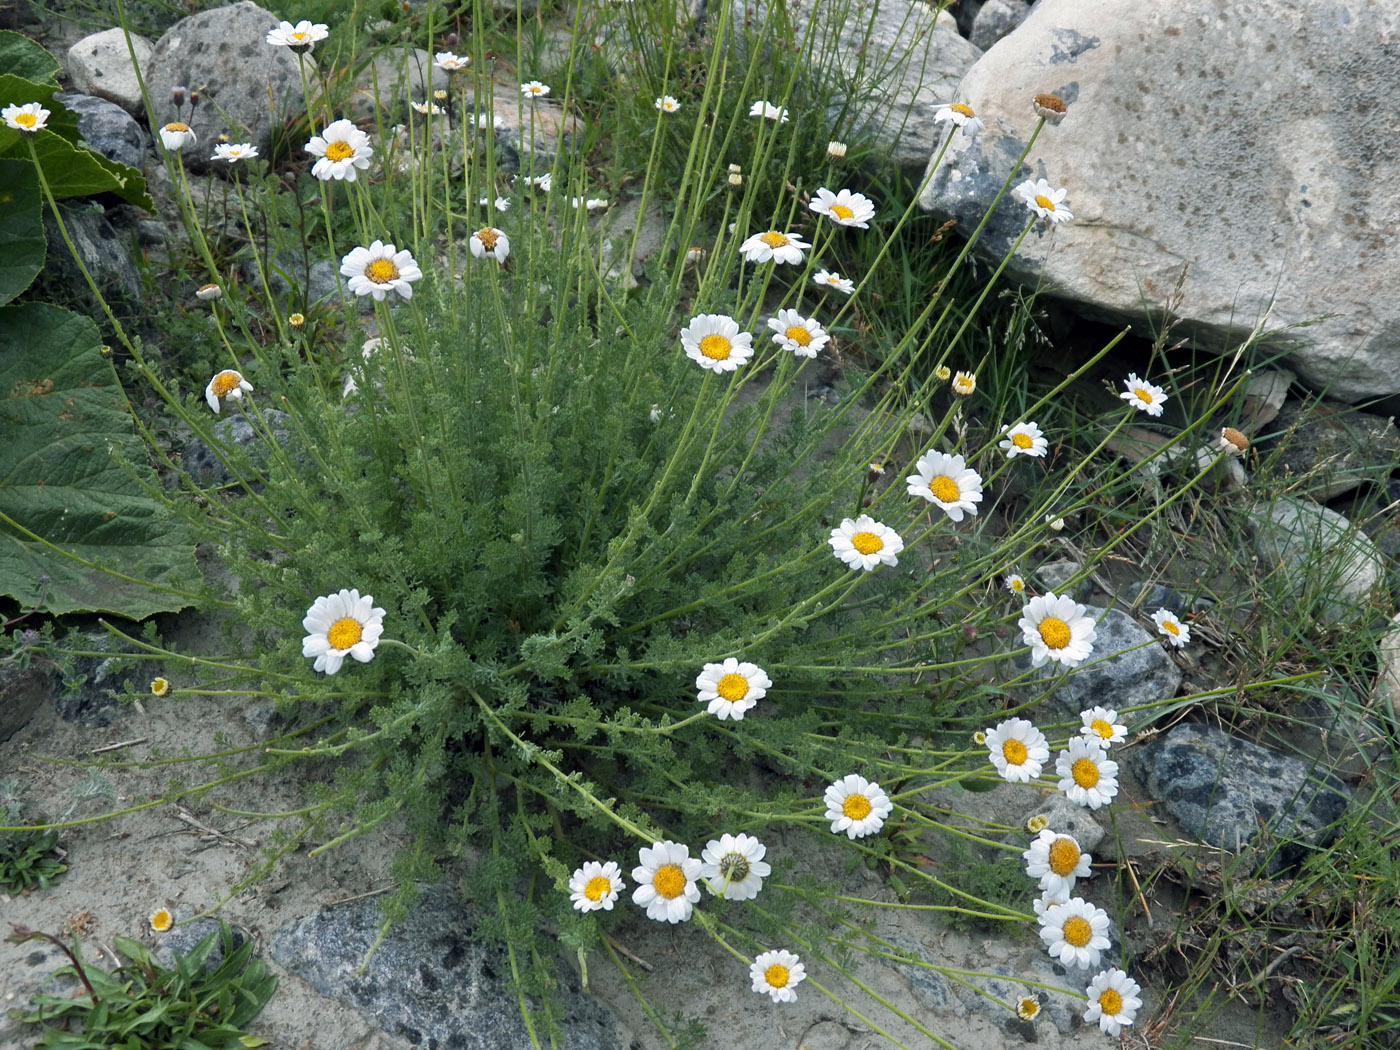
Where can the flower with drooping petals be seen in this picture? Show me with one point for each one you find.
(227, 383)
(960, 116)
(490, 243)
(768, 111)
(176, 135)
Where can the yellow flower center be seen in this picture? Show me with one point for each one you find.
(382, 271)
(1144, 395)
(1045, 202)
(1064, 856)
(773, 240)
(1054, 632)
(226, 382)
(857, 807)
(1171, 627)
(27, 120)
(299, 37)
(867, 543)
(1027, 1009)
(1110, 1002)
(488, 238)
(597, 887)
(1104, 729)
(841, 211)
(1077, 931)
(159, 687)
(177, 126)
(162, 920)
(344, 633)
(1014, 752)
(1017, 584)
(1022, 441)
(339, 150)
(733, 687)
(1085, 772)
(669, 881)
(715, 347)
(961, 110)
(944, 489)
(799, 335)
(776, 976)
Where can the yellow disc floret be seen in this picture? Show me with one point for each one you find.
(344, 633)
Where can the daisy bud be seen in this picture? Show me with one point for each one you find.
(209, 292)
(736, 181)
(451, 40)
(943, 373)
(194, 101)
(1050, 108)
(177, 96)
(836, 150)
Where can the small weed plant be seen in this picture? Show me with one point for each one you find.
(599, 567)
(199, 1004)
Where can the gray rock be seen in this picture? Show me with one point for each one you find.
(207, 467)
(324, 284)
(1334, 448)
(396, 77)
(1387, 687)
(1070, 818)
(1150, 597)
(431, 980)
(101, 248)
(101, 65)
(1055, 576)
(996, 20)
(1322, 563)
(108, 129)
(223, 54)
(22, 691)
(182, 939)
(1128, 667)
(1265, 214)
(620, 225)
(1236, 795)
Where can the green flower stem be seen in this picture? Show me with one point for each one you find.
(322, 750)
(535, 754)
(191, 661)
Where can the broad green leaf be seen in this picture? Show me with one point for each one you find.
(15, 90)
(69, 512)
(21, 228)
(72, 171)
(24, 58)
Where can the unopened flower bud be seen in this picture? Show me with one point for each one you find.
(177, 95)
(836, 150)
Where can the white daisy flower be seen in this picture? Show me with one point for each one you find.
(176, 135)
(856, 806)
(490, 243)
(667, 104)
(1057, 861)
(1169, 624)
(534, 89)
(379, 270)
(340, 625)
(298, 37)
(1101, 726)
(1056, 628)
(734, 867)
(832, 279)
(845, 208)
(964, 383)
(500, 203)
(947, 482)
(1016, 584)
(1075, 932)
(666, 881)
(731, 688)
(1018, 750)
(489, 121)
(1028, 1008)
(544, 182)
(774, 247)
(714, 342)
(960, 116)
(449, 62)
(801, 335)
(1113, 1001)
(1043, 199)
(227, 383)
(233, 152)
(1087, 776)
(1143, 396)
(596, 885)
(340, 150)
(768, 111)
(1056, 524)
(428, 109)
(595, 203)
(777, 973)
(26, 119)
(1232, 442)
(863, 543)
(1039, 904)
(1024, 439)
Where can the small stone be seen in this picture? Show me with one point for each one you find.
(108, 128)
(996, 19)
(102, 65)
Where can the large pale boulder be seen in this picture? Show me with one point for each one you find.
(1247, 146)
(246, 85)
(103, 65)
